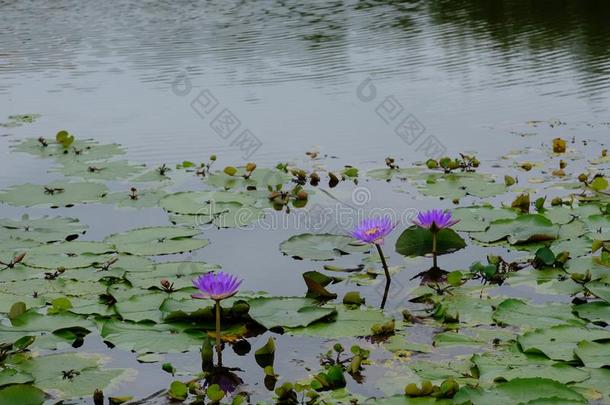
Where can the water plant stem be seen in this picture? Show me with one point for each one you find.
(388, 278)
(218, 342)
(434, 263)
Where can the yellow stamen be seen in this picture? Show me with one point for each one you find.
(371, 231)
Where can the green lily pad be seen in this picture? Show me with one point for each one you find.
(157, 240)
(45, 229)
(401, 174)
(71, 375)
(559, 342)
(596, 311)
(416, 241)
(22, 394)
(592, 264)
(142, 307)
(50, 289)
(521, 391)
(458, 185)
(515, 312)
(600, 290)
(478, 218)
(65, 326)
(180, 274)
(203, 203)
(593, 355)
(286, 312)
(83, 150)
(149, 338)
(512, 363)
(599, 226)
(9, 376)
(100, 170)
(227, 215)
(17, 120)
(55, 194)
(142, 199)
(260, 178)
(524, 229)
(321, 246)
(69, 255)
(347, 323)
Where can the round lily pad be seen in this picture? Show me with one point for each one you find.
(157, 240)
(45, 229)
(55, 194)
(321, 246)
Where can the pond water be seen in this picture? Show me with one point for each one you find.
(268, 81)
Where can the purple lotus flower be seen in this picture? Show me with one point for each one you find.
(216, 286)
(373, 230)
(435, 220)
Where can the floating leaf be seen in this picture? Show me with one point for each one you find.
(512, 363)
(100, 170)
(594, 355)
(71, 375)
(259, 178)
(146, 338)
(478, 218)
(83, 150)
(416, 241)
(521, 391)
(140, 199)
(280, 312)
(157, 240)
(21, 394)
(515, 312)
(76, 254)
(45, 229)
(320, 246)
(559, 342)
(458, 185)
(525, 228)
(347, 323)
(55, 194)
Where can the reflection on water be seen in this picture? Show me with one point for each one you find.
(486, 44)
(289, 70)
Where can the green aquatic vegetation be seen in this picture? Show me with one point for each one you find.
(523, 229)
(156, 240)
(222, 209)
(100, 169)
(69, 255)
(44, 229)
(242, 178)
(56, 291)
(54, 194)
(17, 120)
(83, 150)
(521, 391)
(320, 247)
(287, 312)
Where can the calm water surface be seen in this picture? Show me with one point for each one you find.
(333, 76)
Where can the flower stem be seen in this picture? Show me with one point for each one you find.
(434, 264)
(388, 278)
(218, 342)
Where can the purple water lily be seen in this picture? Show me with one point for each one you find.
(373, 230)
(435, 220)
(216, 286)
